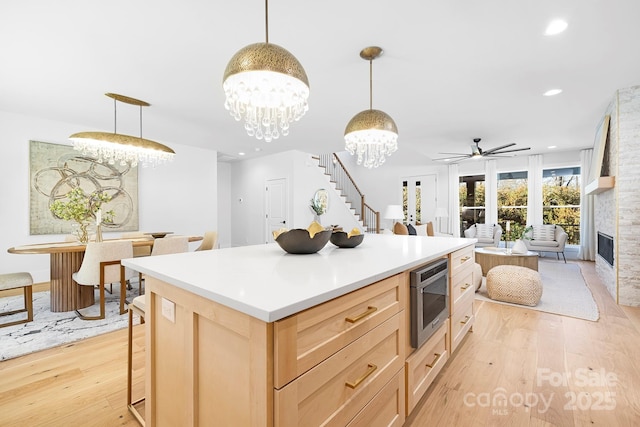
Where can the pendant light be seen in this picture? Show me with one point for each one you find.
(265, 85)
(371, 134)
(115, 148)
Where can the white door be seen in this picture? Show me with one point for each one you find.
(277, 206)
(420, 193)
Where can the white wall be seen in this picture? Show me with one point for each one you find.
(224, 205)
(180, 196)
(303, 177)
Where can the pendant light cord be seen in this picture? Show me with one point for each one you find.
(266, 19)
(115, 116)
(371, 84)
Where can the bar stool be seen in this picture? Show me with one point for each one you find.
(137, 306)
(18, 280)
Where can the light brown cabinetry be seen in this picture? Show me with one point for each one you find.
(212, 365)
(332, 359)
(424, 364)
(461, 294)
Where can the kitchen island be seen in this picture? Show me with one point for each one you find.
(255, 336)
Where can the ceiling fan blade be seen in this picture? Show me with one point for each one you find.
(493, 150)
(460, 156)
(511, 151)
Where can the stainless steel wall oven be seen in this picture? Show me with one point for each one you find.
(429, 296)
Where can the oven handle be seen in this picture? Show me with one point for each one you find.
(432, 279)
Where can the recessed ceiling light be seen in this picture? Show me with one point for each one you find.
(257, 149)
(551, 147)
(241, 153)
(552, 92)
(555, 27)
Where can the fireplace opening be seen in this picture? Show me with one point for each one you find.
(605, 247)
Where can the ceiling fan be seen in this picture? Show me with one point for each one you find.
(477, 152)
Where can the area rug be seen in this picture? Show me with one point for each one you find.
(564, 292)
(50, 329)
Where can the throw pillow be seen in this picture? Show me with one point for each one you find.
(485, 231)
(421, 230)
(430, 229)
(400, 228)
(412, 230)
(546, 232)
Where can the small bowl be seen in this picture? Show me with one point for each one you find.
(297, 241)
(341, 240)
(159, 234)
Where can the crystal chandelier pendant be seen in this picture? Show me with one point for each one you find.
(266, 87)
(268, 101)
(371, 135)
(116, 148)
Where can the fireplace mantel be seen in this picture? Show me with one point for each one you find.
(601, 184)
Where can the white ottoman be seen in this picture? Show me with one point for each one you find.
(477, 276)
(514, 284)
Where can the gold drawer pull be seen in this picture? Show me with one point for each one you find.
(466, 319)
(465, 287)
(361, 316)
(435, 359)
(370, 370)
(465, 259)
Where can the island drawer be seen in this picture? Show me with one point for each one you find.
(461, 285)
(461, 259)
(461, 320)
(423, 365)
(386, 409)
(305, 339)
(333, 392)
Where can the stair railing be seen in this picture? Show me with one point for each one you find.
(347, 186)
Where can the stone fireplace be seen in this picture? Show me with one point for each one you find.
(617, 210)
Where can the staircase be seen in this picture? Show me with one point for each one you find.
(339, 176)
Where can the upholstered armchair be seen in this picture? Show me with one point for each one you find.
(486, 234)
(546, 238)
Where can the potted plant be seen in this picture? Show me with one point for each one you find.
(82, 208)
(319, 204)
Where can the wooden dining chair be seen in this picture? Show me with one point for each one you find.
(16, 281)
(101, 264)
(137, 306)
(140, 250)
(166, 246)
(209, 241)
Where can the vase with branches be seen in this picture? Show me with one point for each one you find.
(83, 208)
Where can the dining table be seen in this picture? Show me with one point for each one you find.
(66, 259)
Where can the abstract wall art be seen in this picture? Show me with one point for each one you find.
(54, 170)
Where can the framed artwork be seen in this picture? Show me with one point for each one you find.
(55, 170)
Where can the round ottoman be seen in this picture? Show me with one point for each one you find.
(514, 284)
(477, 276)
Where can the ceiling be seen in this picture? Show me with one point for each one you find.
(451, 70)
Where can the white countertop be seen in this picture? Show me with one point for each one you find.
(269, 284)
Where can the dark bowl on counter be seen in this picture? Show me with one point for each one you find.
(341, 239)
(297, 241)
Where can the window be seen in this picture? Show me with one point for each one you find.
(561, 200)
(512, 201)
(472, 208)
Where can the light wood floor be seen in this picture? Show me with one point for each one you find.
(513, 351)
